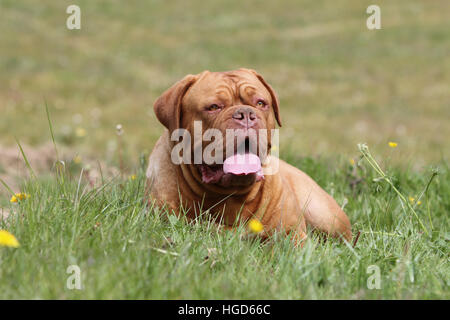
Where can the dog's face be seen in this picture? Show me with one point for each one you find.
(240, 107)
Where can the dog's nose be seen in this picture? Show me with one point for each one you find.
(245, 116)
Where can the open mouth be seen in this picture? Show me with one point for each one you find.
(242, 168)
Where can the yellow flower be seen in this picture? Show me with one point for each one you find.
(352, 161)
(133, 177)
(8, 240)
(22, 196)
(393, 144)
(77, 160)
(412, 200)
(80, 132)
(19, 196)
(255, 226)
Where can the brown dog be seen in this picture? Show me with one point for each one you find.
(287, 199)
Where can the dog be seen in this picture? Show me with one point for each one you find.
(285, 199)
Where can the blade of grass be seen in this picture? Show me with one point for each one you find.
(6, 186)
(434, 174)
(364, 149)
(25, 159)
(59, 165)
(51, 130)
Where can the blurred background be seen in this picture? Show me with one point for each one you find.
(338, 82)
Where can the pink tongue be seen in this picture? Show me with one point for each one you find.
(242, 164)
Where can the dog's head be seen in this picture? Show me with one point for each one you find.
(232, 114)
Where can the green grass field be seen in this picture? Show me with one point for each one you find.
(339, 85)
(125, 250)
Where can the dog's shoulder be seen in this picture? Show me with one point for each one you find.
(161, 172)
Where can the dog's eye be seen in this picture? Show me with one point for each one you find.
(261, 103)
(214, 107)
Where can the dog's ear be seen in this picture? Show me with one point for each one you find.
(275, 102)
(168, 106)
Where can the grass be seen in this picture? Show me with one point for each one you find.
(339, 84)
(126, 249)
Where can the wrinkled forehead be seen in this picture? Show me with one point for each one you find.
(232, 85)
